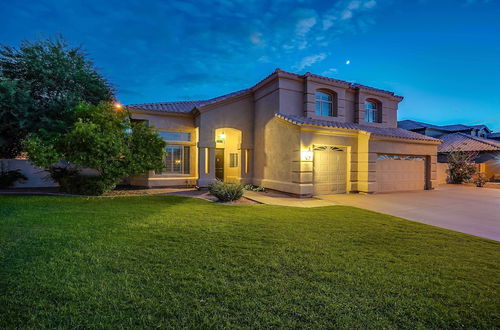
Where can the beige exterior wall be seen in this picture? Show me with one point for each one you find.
(492, 170)
(236, 114)
(442, 175)
(266, 103)
(269, 148)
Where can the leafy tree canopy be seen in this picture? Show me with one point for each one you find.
(102, 139)
(41, 83)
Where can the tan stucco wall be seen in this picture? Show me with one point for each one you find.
(492, 169)
(442, 175)
(266, 105)
(280, 153)
(237, 114)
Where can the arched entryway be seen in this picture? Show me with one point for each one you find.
(228, 154)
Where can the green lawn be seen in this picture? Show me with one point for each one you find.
(164, 261)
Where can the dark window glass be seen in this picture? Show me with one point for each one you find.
(175, 136)
(324, 104)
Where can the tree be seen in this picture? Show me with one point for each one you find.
(16, 111)
(101, 139)
(40, 85)
(461, 166)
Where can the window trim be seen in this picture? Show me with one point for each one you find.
(375, 113)
(233, 162)
(160, 131)
(185, 164)
(332, 111)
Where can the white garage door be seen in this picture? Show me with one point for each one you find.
(330, 170)
(400, 173)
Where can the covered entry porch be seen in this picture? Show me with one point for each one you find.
(224, 157)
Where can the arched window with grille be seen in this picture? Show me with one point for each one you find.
(373, 111)
(326, 104)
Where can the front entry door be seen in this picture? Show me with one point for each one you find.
(219, 163)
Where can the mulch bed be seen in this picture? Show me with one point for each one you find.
(130, 191)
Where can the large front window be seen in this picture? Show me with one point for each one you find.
(372, 112)
(177, 160)
(324, 104)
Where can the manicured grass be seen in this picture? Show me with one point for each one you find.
(164, 261)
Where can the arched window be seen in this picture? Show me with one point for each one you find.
(325, 104)
(373, 110)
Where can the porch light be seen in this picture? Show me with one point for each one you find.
(306, 155)
(222, 136)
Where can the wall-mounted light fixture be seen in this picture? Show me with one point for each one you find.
(306, 155)
(221, 138)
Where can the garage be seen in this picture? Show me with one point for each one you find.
(400, 173)
(330, 170)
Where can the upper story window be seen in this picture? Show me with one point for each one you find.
(372, 111)
(175, 136)
(325, 104)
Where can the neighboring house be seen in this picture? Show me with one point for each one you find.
(301, 134)
(494, 136)
(475, 138)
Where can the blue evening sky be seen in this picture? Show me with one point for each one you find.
(443, 56)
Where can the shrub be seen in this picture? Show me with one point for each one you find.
(461, 166)
(9, 178)
(226, 191)
(71, 181)
(480, 180)
(251, 187)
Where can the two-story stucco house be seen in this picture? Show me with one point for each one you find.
(301, 134)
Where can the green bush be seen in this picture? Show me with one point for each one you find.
(251, 187)
(88, 185)
(226, 191)
(71, 181)
(8, 178)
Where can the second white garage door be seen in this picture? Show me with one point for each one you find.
(400, 173)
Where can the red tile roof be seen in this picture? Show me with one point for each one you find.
(465, 142)
(183, 106)
(393, 132)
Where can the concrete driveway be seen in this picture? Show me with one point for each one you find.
(470, 210)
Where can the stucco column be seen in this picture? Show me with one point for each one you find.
(309, 98)
(302, 172)
(364, 162)
(432, 181)
(206, 165)
(246, 165)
